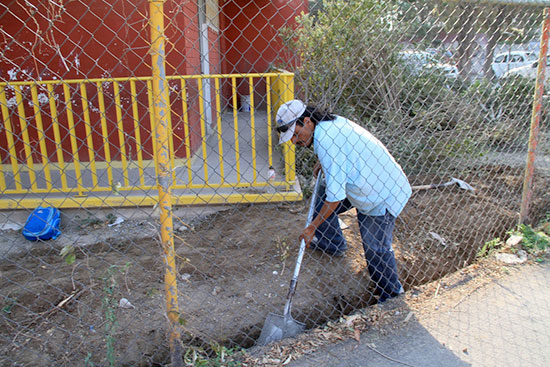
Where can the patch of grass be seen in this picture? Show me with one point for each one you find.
(489, 247)
(219, 357)
(534, 240)
(93, 221)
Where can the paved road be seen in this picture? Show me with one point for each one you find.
(505, 323)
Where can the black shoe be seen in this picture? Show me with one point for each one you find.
(339, 252)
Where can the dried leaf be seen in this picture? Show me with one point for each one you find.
(357, 335)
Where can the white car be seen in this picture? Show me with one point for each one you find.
(504, 62)
(422, 61)
(529, 71)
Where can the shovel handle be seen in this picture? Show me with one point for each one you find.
(294, 280)
(431, 186)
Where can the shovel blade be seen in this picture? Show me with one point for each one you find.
(462, 184)
(278, 327)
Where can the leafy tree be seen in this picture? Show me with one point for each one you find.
(344, 52)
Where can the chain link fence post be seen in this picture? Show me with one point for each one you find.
(536, 114)
(163, 160)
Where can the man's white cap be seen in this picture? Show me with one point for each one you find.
(286, 117)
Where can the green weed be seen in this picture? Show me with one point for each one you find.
(9, 304)
(533, 240)
(68, 254)
(220, 357)
(489, 247)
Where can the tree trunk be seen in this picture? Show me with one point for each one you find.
(465, 40)
(493, 34)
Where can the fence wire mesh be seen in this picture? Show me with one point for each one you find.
(447, 87)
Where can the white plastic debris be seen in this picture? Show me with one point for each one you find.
(342, 224)
(439, 238)
(271, 174)
(124, 303)
(9, 226)
(117, 221)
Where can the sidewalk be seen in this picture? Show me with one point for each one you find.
(503, 323)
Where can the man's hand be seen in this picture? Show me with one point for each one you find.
(316, 169)
(326, 210)
(307, 235)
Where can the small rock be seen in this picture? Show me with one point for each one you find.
(275, 272)
(248, 295)
(522, 255)
(216, 291)
(514, 240)
(182, 228)
(510, 258)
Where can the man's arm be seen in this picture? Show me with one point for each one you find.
(326, 210)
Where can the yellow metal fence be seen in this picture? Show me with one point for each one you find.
(75, 143)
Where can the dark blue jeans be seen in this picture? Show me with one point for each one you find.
(377, 235)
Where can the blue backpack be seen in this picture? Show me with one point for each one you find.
(42, 224)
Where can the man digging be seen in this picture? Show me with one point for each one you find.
(359, 173)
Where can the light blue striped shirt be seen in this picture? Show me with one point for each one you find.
(358, 166)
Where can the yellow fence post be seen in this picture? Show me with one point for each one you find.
(162, 156)
(288, 148)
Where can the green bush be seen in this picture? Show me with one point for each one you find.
(504, 110)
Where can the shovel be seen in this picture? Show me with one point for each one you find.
(462, 184)
(277, 327)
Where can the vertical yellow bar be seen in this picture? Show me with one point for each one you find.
(9, 138)
(41, 137)
(137, 132)
(72, 137)
(3, 104)
(289, 149)
(236, 128)
(203, 130)
(88, 129)
(152, 121)
(252, 129)
(105, 133)
(186, 131)
(120, 128)
(170, 134)
(269, 129)
(162, 154)
(219, 125)
(57, 137)
(25, 133)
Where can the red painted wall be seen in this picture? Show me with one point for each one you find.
(250, 40)
(89, 40)
(95, 39)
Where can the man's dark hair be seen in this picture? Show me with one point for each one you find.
(316, 115)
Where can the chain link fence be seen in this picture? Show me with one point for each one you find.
(150, 126)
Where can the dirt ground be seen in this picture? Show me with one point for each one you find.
(234, 268)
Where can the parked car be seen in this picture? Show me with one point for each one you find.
(422, 61)
(504, 62)
(529, 71)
